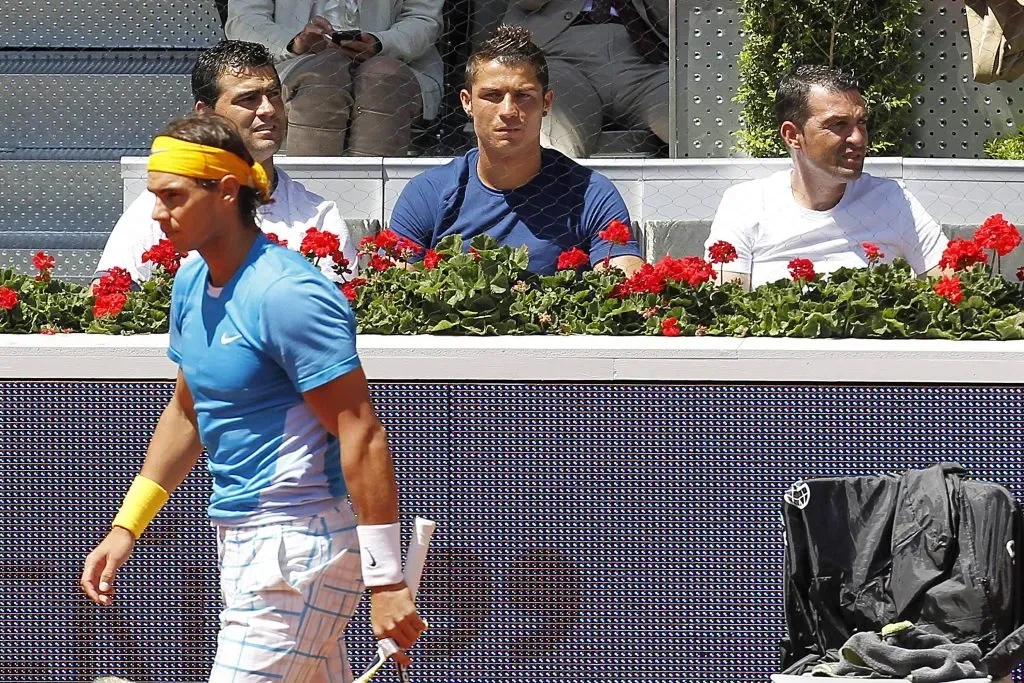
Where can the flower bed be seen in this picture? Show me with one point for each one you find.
(487, 290)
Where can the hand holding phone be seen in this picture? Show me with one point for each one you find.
(349, 34)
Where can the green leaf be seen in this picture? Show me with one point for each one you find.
(866, 37)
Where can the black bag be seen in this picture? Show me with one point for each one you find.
(929, 546)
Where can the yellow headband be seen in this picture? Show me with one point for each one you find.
(171, 155)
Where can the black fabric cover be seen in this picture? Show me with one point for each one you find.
(929, 546)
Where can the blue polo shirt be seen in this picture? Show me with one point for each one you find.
(564, 206)
(247, 351)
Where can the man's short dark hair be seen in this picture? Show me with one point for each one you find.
(510, 46)
(213, 130)
(791, 99)
(227, 55)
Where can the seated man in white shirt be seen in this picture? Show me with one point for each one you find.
(825, 206)
(238, 81)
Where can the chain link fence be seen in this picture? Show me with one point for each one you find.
(90, 84)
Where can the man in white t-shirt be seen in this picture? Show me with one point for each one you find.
(238, 81)
(825, 206)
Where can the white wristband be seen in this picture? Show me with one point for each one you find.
(380, 553)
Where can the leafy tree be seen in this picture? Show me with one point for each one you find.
(871, 38)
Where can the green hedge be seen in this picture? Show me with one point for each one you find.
(871, 38)
(1009, 148)
(487, 291)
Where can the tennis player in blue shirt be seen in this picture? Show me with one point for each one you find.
(270, 383)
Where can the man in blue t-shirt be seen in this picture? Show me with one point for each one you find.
(509, 187)
(270, 383)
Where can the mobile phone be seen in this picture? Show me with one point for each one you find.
(348, 34)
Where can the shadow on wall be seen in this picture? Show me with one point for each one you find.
(544, 578)
(542, 597)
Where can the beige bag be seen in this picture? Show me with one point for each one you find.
(996, 28)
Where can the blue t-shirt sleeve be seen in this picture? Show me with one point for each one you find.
(415, 212)
(602, 204)
(306, 325)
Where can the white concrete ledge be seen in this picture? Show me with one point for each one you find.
(566, 359)
(951, 170)
(735, 169)
(954, 191)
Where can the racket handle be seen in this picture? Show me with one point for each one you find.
(386, 648)
(415, 558)
(416, 555)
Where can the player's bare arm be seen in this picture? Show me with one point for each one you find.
(628, 264)
(172, 453)
(732, 275)
(343, 407)
(175, 446)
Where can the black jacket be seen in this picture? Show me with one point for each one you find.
(929, 546)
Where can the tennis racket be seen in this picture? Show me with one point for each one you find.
(415, 558)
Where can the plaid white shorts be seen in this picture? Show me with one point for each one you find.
(288, 592)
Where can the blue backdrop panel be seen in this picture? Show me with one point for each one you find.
(587, 532)
(570, 496)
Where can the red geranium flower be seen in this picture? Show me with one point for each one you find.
(8, 298)
(873, 253)
(44, 264)
(643, 281)
(572, 259)
(960, 254)
(1020, 273)
(48, 330)
(949, 288)
(367, 245)
(431, 259)
(351, 288)
(692, 270)
(996, 233)
(801, 269)
(380, 263)
(116, 281)
(43, 261)
(319, 243)
(406, 248)
(670, 327)
(617, 232)
(109, 304)
(341, 264)
(722, 252)
(474, 253)
(164, 255)
(272, 236)
(647, 280)
(386, 240)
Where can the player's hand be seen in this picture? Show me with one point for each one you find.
(102, 564)
(393, 615)
(314, 37)
(360, 50)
